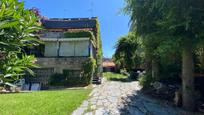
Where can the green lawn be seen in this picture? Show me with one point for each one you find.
(113, 76)
(62, 102)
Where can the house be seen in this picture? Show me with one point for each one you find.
(108, 65)
(68, 43)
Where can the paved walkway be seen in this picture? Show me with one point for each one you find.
(122, 98)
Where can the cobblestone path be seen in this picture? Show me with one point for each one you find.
(123, 98)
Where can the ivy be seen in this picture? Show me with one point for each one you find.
(96, 39)
(88, 68)
(80, 34)
(99, 52)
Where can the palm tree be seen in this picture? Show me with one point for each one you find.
(125, 53)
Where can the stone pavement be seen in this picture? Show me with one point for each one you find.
(123, 98)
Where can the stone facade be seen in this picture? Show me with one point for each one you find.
(60, 64)
(51, 65)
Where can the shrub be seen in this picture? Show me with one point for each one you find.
(124, 72)
(133, 75)
(65, 80)
(74, 77)
(57, 79)
(145, 80)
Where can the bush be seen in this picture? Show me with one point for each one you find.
(65, 80)
(73, 77)
(170, 73)
(133, 75)
(145, 80)
(124, 72)
(88, 70)
(57, 79)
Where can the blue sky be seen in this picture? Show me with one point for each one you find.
(112, 22)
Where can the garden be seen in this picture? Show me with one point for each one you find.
(163, 50)
(19, 28)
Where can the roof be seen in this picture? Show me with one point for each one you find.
(108, 63)
(69, 23)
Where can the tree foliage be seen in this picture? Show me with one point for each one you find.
(128, 51)
(88, 68)
(170, 24)
(99, 52)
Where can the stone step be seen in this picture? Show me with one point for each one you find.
(96, 80)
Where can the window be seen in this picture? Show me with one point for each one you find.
(51, 48)
(82, 48)
(67, 48)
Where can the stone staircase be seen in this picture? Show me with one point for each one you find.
(96, 80)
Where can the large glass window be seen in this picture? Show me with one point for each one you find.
(67, 48)
(82, 48)
(51, 48)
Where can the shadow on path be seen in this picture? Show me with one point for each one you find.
(139, 104)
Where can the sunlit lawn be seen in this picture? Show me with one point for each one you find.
(113, 76)
(61, 102)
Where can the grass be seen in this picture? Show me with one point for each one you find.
(61, 102)
(114, 76)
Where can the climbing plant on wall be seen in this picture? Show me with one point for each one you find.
(99, 52)
(88, 68)
(80, 34)
(96, 40)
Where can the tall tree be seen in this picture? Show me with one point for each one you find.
(184, 20)
(142, 18)
(17, 26)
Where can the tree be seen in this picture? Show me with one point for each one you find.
(184, 20)
(17, 28)
(142, 20)
(127, 53)
(178, 20)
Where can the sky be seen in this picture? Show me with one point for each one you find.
(113, 23)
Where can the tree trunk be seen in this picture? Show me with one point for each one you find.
(148, 62)
(155, 69)
(188, 77)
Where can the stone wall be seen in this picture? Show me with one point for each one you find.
(50, 66)
(59, 64)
